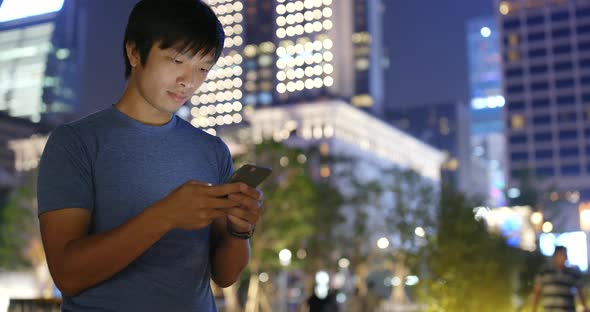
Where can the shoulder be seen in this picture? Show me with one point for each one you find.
(214, 143)
(547, 269)
(573, 270)
(83, 128)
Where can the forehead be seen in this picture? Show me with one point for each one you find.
(199, 56)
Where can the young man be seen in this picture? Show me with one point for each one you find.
(134, 211)
(556, 284)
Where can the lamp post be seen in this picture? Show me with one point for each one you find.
(285, 256)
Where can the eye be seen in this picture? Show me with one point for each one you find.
(204, 70)
(177, 61)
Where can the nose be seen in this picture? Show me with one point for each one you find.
(187, 79)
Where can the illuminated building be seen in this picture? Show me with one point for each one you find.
(39, 58)
(373, 144)
(25, 42)
(446, 126)
(546, 69)
(487, 103)
(285, 51)
(21, 144)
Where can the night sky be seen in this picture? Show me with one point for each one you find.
(426, 40)
(427, 47)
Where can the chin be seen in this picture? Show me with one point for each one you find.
(170, 108)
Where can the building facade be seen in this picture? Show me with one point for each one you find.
(546, 69)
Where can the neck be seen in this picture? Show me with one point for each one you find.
(135, 106)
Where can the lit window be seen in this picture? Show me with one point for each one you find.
(504, 8)
(513, 56)
(451, 165)
(517, 122)
(325, 171)
(324, 149)
(513, 39)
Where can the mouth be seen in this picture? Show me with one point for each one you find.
(178, 98)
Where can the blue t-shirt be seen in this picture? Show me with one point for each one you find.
(115, 167)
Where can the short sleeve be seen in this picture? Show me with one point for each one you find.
(224, 161)
(65, 173)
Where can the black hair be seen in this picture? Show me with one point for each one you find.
(560, 249)
(188, 25)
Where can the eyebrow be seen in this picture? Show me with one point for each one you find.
(186, 54)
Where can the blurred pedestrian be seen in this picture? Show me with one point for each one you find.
(557, 284)
(326, 303)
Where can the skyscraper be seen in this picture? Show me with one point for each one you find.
(487, 102)
(282, 52)
(546, 63)
(445, 126)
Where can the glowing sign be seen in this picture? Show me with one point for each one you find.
(575, 242)
(16, 9)
(488, 102)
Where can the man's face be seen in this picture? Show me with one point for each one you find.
(560, 258)
(170, 78)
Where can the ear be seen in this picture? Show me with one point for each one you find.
(132, 53)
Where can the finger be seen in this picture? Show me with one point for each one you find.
(250, 191)
(245, 201)
(218, 203)
(216, 213)
(243, 214)
(239, 224)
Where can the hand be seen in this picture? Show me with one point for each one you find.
(194, 204)
(244, 217)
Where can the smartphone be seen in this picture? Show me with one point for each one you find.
(250, 174)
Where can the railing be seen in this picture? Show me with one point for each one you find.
(34, 305)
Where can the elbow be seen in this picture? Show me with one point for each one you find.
(67, 288)
(66, 284)
(225, 281)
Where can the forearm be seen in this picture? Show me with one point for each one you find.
(92, 259)
(229, 256)
(536, 296)
(582, 297)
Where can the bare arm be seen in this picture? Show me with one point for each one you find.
(78, 261)
(536, 296)
(229, 255)
(582, 297)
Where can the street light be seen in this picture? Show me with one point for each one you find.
(343, 263)
(285, 259)
(536, 218)
(383, 243)
(420, 232)
(547, 227)
(322, 281)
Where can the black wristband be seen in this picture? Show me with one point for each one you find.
(240, 235)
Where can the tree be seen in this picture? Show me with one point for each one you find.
(18, 226)
(469, 268)
(409, 218)
(300, 212)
